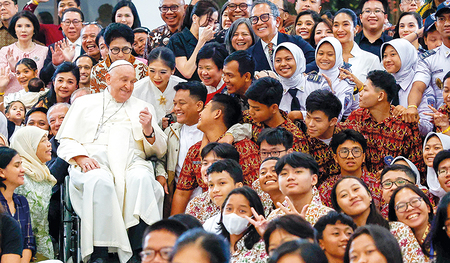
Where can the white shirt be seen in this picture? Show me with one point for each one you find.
(266, 49)
(211, 225)
(189, 135)
(78, 47)
(362, 62)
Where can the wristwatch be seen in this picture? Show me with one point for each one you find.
(149, 136)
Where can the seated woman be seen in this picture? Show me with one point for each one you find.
(344, 29)
(10, 239)
(240, 35)
(373, 244)
(329, 60)
(298, 251)
(24, 26)
(322, 29)
(16, 206)
(33, 146)
(125, 12)
(440, 231)
(350, 195)
(26, 74)
(245, 242)
(409, 23)
(284, 229)
(187, 43)
(157, 88)
(304, 24)
(432, 145)
(197, 245)
(210, 64)
(65, 82)
(400, 59)
(411, 206)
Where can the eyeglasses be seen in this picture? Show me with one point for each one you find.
(271, 154)
(116, 50)
(442, 172)
(413, 202)
(75, 22)
(263, 17)
(398, 182)
(6, 4)
(242, 6)
(150, 254)
(376, 11)
(165, 9)
(344, 152)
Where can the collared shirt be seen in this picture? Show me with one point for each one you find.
(22, 216)
(316, 209)
(323, 155)
(265, 198)
(183, 44)
(300, 141)
(202, 207)
(190, 177)
(369, 178)
(373, 47)
(362, 62)
(431, 69)
(99, 71)
(265, 47)
(6, 38)
(189, 135)
(159, 37)
(387, 139)
(244, 255)
(77, 45)
(411, 250)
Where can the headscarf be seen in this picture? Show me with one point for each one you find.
(332, 73)
(409, 58)
(300, 61)
(25, 141)
(432, 179)
(413, 167)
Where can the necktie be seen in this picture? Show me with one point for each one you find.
(295, 104)
(270, 48)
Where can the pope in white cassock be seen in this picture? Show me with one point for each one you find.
(106, 138)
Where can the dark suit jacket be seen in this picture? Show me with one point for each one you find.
(57, 166)
(261, 62)
(48, 69)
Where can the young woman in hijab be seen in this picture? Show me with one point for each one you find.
(434, 143)
(33, 146)
(329, 60)
(290, 64)
(400, 58)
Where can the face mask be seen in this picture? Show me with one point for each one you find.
(200, 30)
(234, 224)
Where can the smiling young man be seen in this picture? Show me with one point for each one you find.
(322, 111)
(297, 177)
(85, 64)
(349, 149)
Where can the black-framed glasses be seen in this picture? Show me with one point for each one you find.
(398, 182)
(242, 6)
(116, 50)
(150, 254)
(376, 11)
(75, 22)
(264, 18)
(413, 202)
(165, 9)
(271, 154)
(345, 152)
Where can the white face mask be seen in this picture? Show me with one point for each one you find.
(200, 30)
(234, 224)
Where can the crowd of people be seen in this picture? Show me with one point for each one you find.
(252, 132)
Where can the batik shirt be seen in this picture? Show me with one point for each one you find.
(202, 207)
(323, 155)
(159, 37)
(255, 255)
(190, 177)
(411, 250)
(387, 139)
(265, 198)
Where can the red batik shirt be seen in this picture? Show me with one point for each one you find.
(369, 179)
(300, 142)
(249, 159)
(387, 139)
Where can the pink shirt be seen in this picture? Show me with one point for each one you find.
(38, 54)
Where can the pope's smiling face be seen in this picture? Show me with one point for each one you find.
(121, 81)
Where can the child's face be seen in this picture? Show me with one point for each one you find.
(16, 112)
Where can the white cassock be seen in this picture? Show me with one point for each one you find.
(113, 198)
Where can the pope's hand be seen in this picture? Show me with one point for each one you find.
(145, 118)
(86, 163)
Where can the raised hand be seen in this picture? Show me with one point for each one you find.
(57, 54)
(4, 78)
(68, 50)
(440, 120)
(12, 61)
(259, 222)
(145, 118)
(290, 209)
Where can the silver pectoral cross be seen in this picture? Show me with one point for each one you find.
(99, 130)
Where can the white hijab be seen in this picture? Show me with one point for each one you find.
(432, 179)
(413, 167)
(300, 61)
(25, 141)
(332, 73)
(409, 58)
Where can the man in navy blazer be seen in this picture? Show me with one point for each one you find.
(265, 20)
